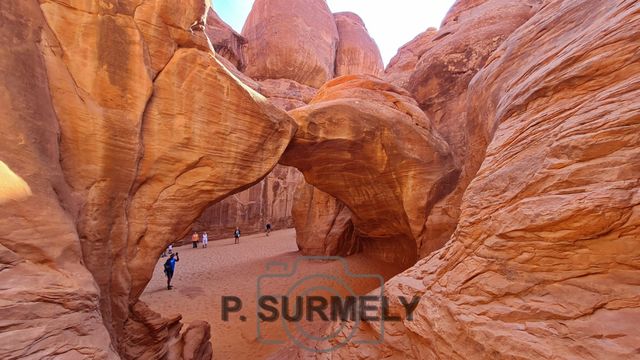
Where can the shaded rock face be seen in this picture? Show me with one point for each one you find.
(346, 146)
(470, 33)
(323, 224)
(226, 42)
(291, 39)
(271, 200)
(403, 64)
(114, 178)
(357, 52)
(542, 264)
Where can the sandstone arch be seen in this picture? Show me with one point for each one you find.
(368, 144)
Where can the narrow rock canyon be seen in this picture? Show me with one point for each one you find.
(495, 160)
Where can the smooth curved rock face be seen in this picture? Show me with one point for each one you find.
(225, 40)
(123, 129)
(357, 52)
(347, 145)
(291, 39)
(543, 263)
(403, 64)
(323, 224)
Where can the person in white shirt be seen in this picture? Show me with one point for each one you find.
(205, 239)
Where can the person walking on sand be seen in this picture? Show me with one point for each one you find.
(170, 267)
(236, 235)
(194, 240)
(205, 239)
(268, 226)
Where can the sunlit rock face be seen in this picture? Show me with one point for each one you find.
(111, 111)
(357, 52)
(346, 145)
(543, 262)
(291, 39)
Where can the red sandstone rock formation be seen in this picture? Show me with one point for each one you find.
(132, 134)
(226, 42)
(544, 261)
(291, 39)
(403, 64)
(357, 52)
(346, 145)
(469, 34)
(323, 224)
(271, 200)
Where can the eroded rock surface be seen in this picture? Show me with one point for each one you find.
(119, 151)
(357, 52)
(271, 200)
(291, 39)
(470, 33)
(323, 224)
(226, 41)
(347, 145)
(403, 64)
(543, 262)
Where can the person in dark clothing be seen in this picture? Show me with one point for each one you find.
(170, 267)
(268, 228)
(236, 235)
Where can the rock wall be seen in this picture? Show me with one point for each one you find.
(271, 200)
(323, 224)
(470, 33)
(404, 63)
(114, 178)
(542, 263)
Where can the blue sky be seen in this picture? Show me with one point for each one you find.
(391, 23)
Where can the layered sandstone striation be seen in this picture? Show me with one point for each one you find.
(291, 39)
(346, 145)
(120, 156)
(357, 52)
(543, 262)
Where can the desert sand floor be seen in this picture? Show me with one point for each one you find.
(204, 276)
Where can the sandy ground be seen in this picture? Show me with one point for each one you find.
(204, 276)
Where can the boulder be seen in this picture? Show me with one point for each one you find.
(357, 52)
(291, 39)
